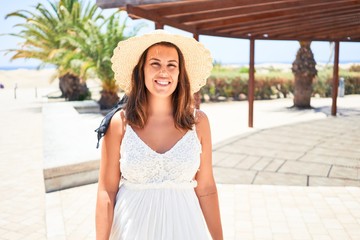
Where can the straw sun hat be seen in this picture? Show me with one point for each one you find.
(198, 61)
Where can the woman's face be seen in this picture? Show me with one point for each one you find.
(161, 70)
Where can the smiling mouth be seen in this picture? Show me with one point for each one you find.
(162, 83)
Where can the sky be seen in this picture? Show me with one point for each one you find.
(224, 50)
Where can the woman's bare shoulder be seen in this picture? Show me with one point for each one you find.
(201, 121)
(117, 124)
(200, 117)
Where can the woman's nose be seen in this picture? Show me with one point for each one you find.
(163, 72)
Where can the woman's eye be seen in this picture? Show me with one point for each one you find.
(155, 64)
(172, 66)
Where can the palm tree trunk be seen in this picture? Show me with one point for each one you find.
(108, 99)
(304, 71)
(303, 91)
(72, 89)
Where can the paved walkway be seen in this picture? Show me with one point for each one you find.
(286, 147)
(317, 153)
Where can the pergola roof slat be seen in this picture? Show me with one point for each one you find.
(324, 20)
(289, 11)
(282, 22)
(300, 28)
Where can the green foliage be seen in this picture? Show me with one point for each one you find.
(44, 29)
(228, 83)
(354, 68)
(244, 70)
(93, 49)
(72, 35)
(266, 87)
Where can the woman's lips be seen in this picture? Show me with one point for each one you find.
(162, 82)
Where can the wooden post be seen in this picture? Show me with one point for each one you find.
(251, 82)
(335, 79)
(159, 25)
(197, 95)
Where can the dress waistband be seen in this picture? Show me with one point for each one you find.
(160, 185)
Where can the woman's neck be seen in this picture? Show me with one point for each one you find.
(160, 106)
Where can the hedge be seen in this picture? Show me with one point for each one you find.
(221, 86)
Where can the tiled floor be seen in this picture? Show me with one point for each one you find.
(250, 212)
(268, 211)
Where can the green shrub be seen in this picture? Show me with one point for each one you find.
(354, 68)
(229, 83)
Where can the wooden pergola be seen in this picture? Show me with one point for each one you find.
(301, 20)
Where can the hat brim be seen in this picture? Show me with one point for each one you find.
(198, 61)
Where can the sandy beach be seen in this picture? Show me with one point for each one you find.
(29, 78)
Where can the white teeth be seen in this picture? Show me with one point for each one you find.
(163, 82)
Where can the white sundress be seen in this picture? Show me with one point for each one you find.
(156, 199)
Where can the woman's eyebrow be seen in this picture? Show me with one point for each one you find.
(156, 59)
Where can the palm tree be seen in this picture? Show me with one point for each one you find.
(304, 71)
(43, 33)
(93, 48)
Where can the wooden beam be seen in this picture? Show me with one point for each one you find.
(339, 30)
(200, 6)
(294, 23)
(159, 25)
(121, 3)
(323, 20)
(224, 12)
(196, 36)
(305, 8)
(269, 22)
(354, 38)
(335, 79)
(159, 19)
(251, 83)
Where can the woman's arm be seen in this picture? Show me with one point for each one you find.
(109, 176)
(206, 190)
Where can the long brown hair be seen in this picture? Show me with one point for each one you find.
(182, 100)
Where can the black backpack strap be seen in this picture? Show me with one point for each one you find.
(104, 125)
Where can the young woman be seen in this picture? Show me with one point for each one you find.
(158, 149)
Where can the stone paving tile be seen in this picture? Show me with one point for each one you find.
(344, 152)
(345, 173)
(325, 181)
(274, 165)
(312, 169)
(218, 156)
(233, 176)
(262, 164)
(331, 160)
(284, 153)
(248, 162)
(280, 179)
(231, 160)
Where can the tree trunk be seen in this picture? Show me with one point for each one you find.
(304, 71)
(72, 89)
(303, 91)
(108, 99)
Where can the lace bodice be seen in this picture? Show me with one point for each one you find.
(141, 166)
